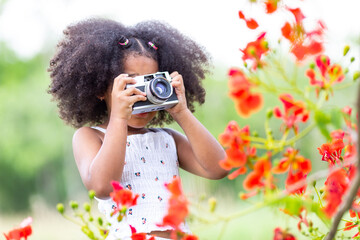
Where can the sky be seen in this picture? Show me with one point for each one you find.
(31, 26)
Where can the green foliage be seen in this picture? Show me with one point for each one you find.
(32, 137)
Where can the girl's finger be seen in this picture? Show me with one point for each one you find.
(137, 98)
(134, 91)
(174, 74)
(122, 80)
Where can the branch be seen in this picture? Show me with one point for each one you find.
(350, 195)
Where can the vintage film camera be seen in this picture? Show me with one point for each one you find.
(159, 92)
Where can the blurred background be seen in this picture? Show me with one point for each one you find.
(37, 169)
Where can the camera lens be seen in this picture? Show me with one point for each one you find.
(159, 90)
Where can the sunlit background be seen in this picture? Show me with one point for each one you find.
(37, 168)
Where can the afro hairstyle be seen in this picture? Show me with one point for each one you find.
(92, 53)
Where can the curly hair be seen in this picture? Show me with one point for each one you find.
(89, 57)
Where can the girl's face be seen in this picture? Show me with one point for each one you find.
(136, 65)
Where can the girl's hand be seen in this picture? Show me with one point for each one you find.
(122, 100)
(178, 85)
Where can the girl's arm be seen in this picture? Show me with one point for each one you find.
(101, 161)
(199, 152)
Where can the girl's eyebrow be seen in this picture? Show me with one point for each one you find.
(133, 75)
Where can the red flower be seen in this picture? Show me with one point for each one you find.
(254, 51)
(238, 148)
(294, 111)
(261, 176)
(250, 23)
(347, 117)
(123, 198)
(190, 237)
(301, 50)
(178, 206)
(22, 232)
(335, 186)
(246, 102)
(298, 167)
(294, 177)
(303, 43)
(331, 152)
(280, 234)
(271, 5)
(329, 74)
(140, 236)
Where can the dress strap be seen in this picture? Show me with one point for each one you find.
(103, 130)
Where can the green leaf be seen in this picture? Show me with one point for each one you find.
(293, 205)
(322, 120)
(336, 118)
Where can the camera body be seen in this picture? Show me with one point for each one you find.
(159, 92)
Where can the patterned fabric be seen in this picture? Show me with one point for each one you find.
(150, 162)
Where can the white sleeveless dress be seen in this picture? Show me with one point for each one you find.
(150, 162)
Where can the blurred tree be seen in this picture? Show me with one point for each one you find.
(32, 137)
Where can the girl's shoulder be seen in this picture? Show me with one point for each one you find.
(88, 134)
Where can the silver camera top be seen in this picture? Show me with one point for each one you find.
(140, 80)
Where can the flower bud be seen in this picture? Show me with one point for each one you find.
(212, 204)
(100, 221)
(74, 205)
(85, 229)
(265, 44)
(60, 207)
(352, 59)
(356, 75)
(252, 51)
(255, 133)
(87, 207)
(92, 194)
(245, 64)
(269, 132)
(312, 65)
(346, 50)
(323, 59)
(202, 197)
(91, 219)
(346, 70)
(269, 113)
(314, 183)
(123, 209)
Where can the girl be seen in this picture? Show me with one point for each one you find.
(93, 64)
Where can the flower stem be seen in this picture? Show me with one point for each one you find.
(317, 193)
(301, 134)
(223, 230)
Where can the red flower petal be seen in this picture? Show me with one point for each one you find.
(237, 172)
(190, 237)
(138, 236)
(271, 6)
(349, 226)
(250, 23)
(175, 187)
(282, 167)
(299, 16)
(252, 181)
(116, 185)
(286, 31)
